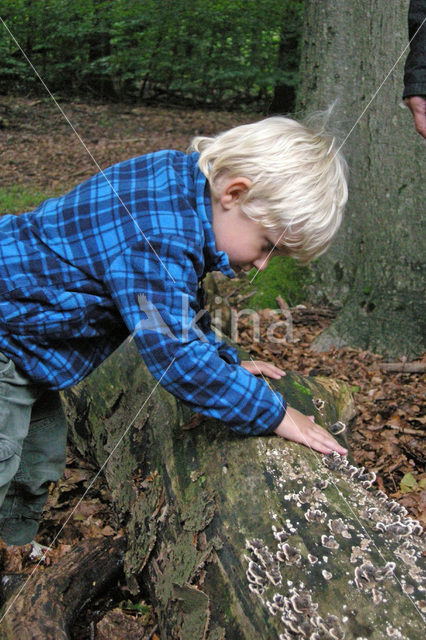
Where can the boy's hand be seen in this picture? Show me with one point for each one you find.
(259, 367)
(300, 428)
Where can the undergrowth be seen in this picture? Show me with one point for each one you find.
(284, 277)
(17, 199)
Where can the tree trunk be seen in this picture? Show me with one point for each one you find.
(288, 59)
(246, 538)
(374, 267)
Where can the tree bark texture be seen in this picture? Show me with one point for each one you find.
(51, 599)
(374, 268)
(246, 538)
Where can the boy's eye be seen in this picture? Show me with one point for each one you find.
(269, 247)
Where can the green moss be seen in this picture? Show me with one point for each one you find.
(17, 199)
(302, 389)
(284, 277)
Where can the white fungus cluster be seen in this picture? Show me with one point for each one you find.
(377, 532)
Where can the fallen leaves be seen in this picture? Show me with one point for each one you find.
(39, 146)
(387, 433)
(410, 483)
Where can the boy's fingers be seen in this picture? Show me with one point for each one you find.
(277, 368)
(327, 447)
(263, 363)
(280, 371)
(259, 367)
(330, 442)
(276, 371)
(323, 442)
(275, 375)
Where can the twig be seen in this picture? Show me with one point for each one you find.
(402, 430)
(150, 635)
(246, 297)
(404, 367)
(282, 304)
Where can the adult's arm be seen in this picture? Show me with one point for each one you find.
(415, 66)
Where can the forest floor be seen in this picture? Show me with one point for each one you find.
(44, 152)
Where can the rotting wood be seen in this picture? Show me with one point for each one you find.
(248, 538)
(45, 606)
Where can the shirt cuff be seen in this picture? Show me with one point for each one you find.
(280, 417)
(418, 89)
(229, 354)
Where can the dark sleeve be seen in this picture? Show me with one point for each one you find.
(415, 65)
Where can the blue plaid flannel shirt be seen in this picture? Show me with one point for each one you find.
(124, 253)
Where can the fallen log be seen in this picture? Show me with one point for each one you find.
(247, 538)
(48, 601)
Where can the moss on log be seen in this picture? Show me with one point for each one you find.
(247, 538)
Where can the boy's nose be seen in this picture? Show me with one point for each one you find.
(261, 264)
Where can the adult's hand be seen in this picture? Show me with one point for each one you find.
(417, 106)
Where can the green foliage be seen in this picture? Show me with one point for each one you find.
(284, 277)
(140, 608)
(217, 53)
(17, 199)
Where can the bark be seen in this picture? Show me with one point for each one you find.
(51, 599)
(246, 538)
(374, 268)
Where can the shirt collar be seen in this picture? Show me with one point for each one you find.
(215, 260)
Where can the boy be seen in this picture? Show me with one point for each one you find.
(125, 252)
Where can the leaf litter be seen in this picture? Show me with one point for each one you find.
(387, 433)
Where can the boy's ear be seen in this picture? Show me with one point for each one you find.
(232, 189)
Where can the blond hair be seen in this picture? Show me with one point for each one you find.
(297, 173)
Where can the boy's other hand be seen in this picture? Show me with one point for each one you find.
(259, 368)
(300, 428)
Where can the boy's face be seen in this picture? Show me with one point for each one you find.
(247, 243)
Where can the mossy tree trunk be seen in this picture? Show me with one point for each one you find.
(245, 538)
(374, 268)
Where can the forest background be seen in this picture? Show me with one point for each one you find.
(234, 55)
(255, 58)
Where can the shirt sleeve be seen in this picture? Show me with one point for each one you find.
(415, 64)
(154, 286)
(225, 351)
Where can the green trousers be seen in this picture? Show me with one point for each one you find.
(32, 451)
